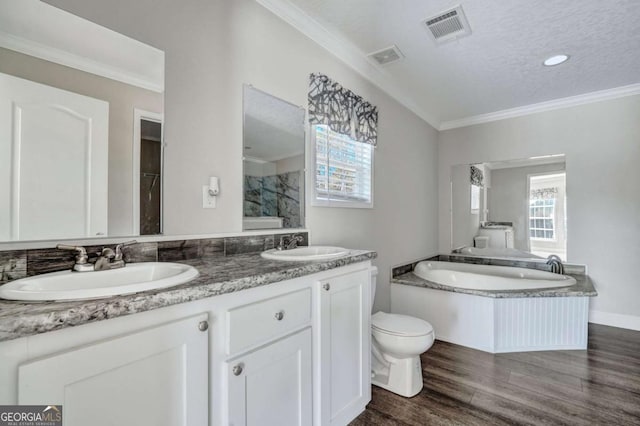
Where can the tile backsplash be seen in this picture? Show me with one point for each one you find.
(16, 264)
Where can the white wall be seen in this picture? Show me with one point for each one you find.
(602, 146)
(212, 48)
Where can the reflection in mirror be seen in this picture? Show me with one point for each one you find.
(71, 162)
(273, 140)
(514, 208)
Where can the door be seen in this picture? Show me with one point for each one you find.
(154, 377)
(344, 387)
(272, 385)
(53, 162)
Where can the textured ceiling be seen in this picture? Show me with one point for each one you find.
(499, 66)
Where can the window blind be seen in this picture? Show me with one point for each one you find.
(343, 167)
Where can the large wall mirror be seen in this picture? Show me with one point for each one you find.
(273, 142)
(515, 208)
(80, 128)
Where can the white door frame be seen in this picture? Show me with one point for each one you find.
(138, 115)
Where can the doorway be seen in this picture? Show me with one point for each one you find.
(148, 173)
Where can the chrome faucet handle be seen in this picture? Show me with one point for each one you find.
(81, 257)
(119, 247)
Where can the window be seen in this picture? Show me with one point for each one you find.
(343, 170)
(541, 218)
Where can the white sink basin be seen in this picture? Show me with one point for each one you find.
(306, 253)
(68, 285)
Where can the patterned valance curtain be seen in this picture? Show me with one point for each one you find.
(544, 193)
(342, 110)
(477, 177)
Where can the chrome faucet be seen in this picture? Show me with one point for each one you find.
(104, 259)
(288, 242)
(107, 258)
(556, 264)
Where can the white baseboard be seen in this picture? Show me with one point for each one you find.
(630, 322)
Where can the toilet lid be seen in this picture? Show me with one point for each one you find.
(400, 325)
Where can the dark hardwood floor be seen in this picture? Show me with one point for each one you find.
(462, 386)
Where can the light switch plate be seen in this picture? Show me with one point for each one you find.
(208, 201)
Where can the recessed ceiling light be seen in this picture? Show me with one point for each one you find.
(555, 60)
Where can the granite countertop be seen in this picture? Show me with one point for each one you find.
(218, 275)
(582, 287)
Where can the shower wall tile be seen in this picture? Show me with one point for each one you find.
(289, 199)
(270, 196)
(274, 196)
(252, 196)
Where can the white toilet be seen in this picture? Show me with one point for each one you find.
(398, 341)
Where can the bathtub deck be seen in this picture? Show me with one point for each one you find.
(468, 387)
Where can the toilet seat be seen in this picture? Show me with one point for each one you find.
(400, 325)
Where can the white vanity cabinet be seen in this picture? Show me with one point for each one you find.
(343, 366)
(272, 385)
(296, 352)
(155, 376)
(268, 370)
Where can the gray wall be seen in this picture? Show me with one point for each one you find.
(509, 201)
(602, 146)
(212, 48)
(122, 98)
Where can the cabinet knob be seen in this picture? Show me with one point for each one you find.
(203, 325)
(326, 286)
(237, 369)
(279, 315)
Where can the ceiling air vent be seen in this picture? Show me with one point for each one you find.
(448, 25)
(387, 55)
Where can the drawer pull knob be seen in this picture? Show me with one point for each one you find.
(279, 315)
(237, 369)
(203, 325)
(327, 286)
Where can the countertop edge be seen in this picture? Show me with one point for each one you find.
(583, 288)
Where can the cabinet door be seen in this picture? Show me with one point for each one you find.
(272, 385)
(344, 332)
(158, 376)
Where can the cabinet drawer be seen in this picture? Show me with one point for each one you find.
(258, 322)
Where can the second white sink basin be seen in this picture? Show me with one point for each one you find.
(68, 285)
(306, 253)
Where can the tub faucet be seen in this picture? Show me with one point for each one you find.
(556, 264)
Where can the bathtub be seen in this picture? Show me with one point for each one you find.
(496, 308)
(498, 252)
(489, 277)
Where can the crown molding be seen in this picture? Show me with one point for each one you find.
(571, 101)
(62, 57)
(346, 51)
